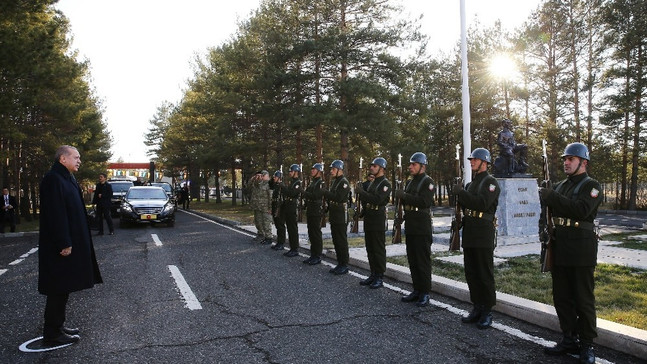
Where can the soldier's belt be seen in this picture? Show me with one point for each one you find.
(288, 199)
(479, 215)
(333, 203)
(370, 206)
(561, 221)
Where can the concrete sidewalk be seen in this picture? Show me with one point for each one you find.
(610, 334)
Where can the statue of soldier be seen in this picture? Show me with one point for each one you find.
(505, 164)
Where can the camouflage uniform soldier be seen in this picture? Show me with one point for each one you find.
(261, 202)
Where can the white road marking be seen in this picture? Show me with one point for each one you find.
(17, 261)
(23, 347)
(455, 310)
(3, 271)
(156, 239)
(190, 300)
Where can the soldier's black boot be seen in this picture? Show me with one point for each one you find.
(413, 296)
(485, 321)
(587, 356)
(368, 281)
(568, 345)
(473, 316)
(377, 282)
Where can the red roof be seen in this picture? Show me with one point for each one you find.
(128, 165)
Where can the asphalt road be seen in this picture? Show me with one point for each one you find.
(252, 305)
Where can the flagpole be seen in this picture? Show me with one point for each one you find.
(467, 143)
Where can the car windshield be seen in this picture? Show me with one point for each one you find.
(166, 187)
(146, 194)
(120, 186)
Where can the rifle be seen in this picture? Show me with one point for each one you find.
(300, 204)
(324, 207)
(354, 227)
(397, 221)
(546, 226)
(457, 219)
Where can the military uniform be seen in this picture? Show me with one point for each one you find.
(374, 199)
(574, 203)
(260, 202)
(417, 201)
(479, 202)
(313, 195)
(337, 198)
(278, 214)
(290, 201)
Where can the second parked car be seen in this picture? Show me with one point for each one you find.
(147, 204)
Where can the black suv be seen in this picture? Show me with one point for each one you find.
(119, 189)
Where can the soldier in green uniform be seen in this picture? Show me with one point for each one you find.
(337, 198)
(479, 201)
(417, 199)
(261, 203)
(574, 204)
(313, 195)
(374, 199)
(277, 210)
(289, 210)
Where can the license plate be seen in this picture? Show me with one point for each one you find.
(148, 216)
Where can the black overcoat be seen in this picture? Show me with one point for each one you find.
(63, 223)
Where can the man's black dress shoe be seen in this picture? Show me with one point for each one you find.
(568, 345)
(70, 331)
(423, 300)
(473, 316)
(413, 296)
(485, 320)
(291, 253)
(377, 282)
(333, 270)
(367, 281)
(61, 339)
(587, 356)
(308, 260)
(314, 261)
(340, 269)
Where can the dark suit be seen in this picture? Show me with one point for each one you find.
(103, 204)
(8, 212)
(63, 224)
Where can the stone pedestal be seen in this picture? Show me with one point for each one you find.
(518, 211)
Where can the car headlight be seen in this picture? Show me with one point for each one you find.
(168, 208)
(126, 207)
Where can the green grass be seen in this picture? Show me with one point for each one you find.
(627, 240)
(25, 225)
(240, 213)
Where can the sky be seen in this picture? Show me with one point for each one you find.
(141, 51)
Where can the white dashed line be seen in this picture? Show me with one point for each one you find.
(156, 239)
(191, 302)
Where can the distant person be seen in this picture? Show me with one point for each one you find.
(8, 210)
(102, 200)
(184, 197)
(574, 204)
(66, 259)
(261, 203)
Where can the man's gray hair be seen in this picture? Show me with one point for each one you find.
(63, 150)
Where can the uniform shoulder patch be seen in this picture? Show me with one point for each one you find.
(595, 193)
(492, 188)
(345, 185)
(431, 187)
(385, 188)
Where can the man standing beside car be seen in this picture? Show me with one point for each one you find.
(102, 200)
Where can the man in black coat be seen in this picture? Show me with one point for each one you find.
(102, 200)
(8, 210)
(66, 259)
(479, 200)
